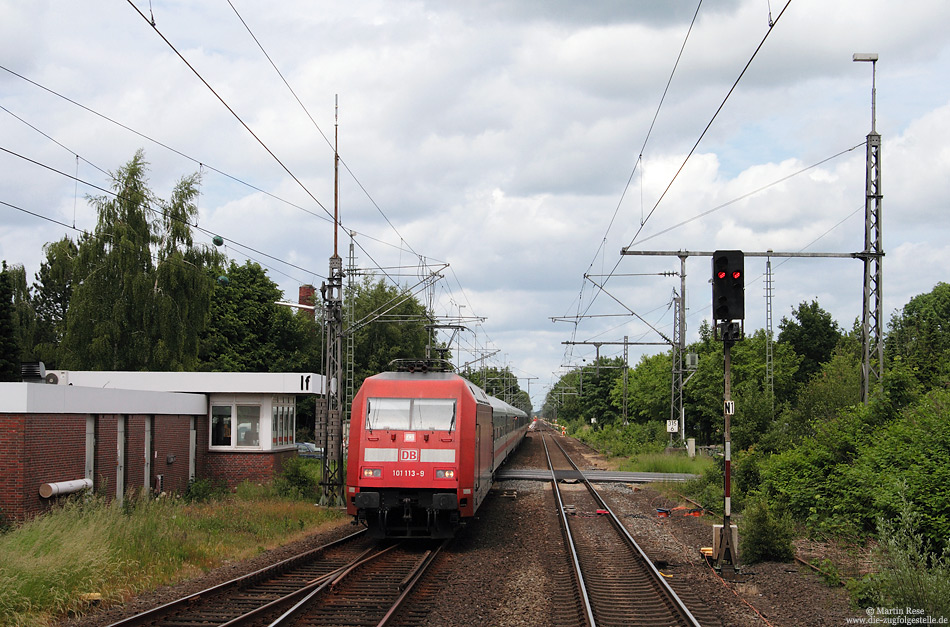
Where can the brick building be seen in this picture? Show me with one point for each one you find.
(118, 432)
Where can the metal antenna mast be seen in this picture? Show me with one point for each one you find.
(872, 320)
(330, 428)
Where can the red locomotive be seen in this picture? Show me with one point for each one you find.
(423, 447)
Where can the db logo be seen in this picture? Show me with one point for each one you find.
(408, 455)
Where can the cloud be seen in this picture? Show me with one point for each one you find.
(500, 137)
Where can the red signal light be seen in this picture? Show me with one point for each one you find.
(721, 274)
(736, 274)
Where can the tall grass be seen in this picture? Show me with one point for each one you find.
(90, 546)
(663, 462)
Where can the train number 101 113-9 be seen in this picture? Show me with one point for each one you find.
(408, 473)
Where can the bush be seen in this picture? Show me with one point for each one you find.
(626, 441)
(203, 491)
(707, 488)
(299, 479)
(746, 474)
(766, 534)
(909, 575)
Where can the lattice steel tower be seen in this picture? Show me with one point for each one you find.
(330, 418)
(872, 320)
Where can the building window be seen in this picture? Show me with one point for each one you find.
(220, 425)
(282, 424)
(236, 426)
(249, 425)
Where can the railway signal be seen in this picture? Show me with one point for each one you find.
(728, 292)
(728, 285)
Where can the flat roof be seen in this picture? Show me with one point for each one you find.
(39, 398)
(198, 382)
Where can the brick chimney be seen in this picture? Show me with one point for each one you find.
(306, 296)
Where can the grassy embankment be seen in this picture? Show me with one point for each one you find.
(89, 546)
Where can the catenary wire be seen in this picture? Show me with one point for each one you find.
(169, 148)
(710, 123)
(232, 111)
(317, 126)
(198, 228)
(646, 139)
(691, 151)
(157, 143)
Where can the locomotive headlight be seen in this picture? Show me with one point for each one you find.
(370, 473)
(445, 474)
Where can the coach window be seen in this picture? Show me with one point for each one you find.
(220, 425)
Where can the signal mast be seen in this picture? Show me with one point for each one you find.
(728, 293)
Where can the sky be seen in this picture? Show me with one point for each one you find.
(523, 143)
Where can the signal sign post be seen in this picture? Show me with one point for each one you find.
(728, 292)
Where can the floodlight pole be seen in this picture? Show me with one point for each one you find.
(872, 315)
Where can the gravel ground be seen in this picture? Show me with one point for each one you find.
(507, 566)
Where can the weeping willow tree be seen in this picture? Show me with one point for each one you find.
(141, 292)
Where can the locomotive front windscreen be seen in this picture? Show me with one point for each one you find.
(410, 414)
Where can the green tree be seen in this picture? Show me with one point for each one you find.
(390, 325)
(563, 399)
(835, 386)
(9, 347)
(852, 472)
(52, 291)
(812, 334)
(920, 336)
(648, 389)
(248, 332)
(24, 316)
(500, 383)
(593, 403)
(141, 293)
(755, 407)
(766, 534)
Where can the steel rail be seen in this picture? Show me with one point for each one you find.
(406, 585)
(569, 540)
(328, 582)
(155, 614)
(409, 583)
(314, 584)
(618, 524)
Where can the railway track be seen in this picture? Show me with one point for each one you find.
(370, 592)
(353, 581)
(619, 584)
